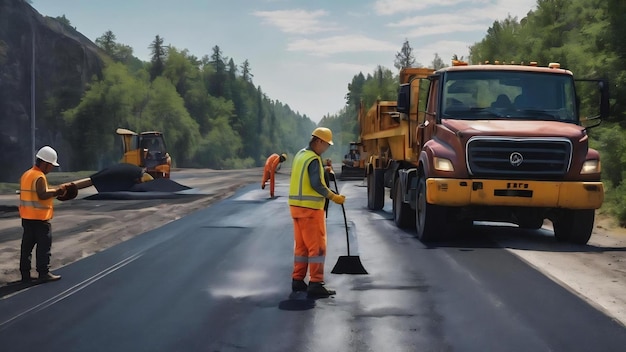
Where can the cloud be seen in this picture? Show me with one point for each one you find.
(443, 29)
(390, 7)
(296, 21)
(340, 44)
(425, 54)
(351, 67)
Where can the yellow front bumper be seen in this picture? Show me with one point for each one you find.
(522, 193)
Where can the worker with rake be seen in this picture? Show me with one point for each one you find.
(307, 194)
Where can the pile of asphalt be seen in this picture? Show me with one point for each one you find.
(159, 185)
(156, 189)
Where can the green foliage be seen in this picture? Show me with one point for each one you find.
(611, 142)
(64, 21)
(106, 105)
(166, 112)
(159, 53)
(220, 146)
(210, 114)
(383, 85)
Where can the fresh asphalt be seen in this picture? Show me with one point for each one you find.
(219, 280)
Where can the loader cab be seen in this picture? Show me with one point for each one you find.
(353, 165)
(147, 150)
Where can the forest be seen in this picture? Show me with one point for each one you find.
(210, 111)
(214, 116)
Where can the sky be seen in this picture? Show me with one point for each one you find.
(303, 53)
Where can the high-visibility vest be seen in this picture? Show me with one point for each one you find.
(301, 193)
(31, 207)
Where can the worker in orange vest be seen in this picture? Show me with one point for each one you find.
(36, 210)
(271, 165)
(307, 194)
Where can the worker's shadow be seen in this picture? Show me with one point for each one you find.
(16, 286)
(297, 301)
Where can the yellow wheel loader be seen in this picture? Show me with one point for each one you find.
(147, 150)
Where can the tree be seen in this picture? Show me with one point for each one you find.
(404, 58)
(158, 57)
(166, 112)
(438, 62)
(216, 83)
(245, 71)
(106, 105)
(64, 21)
(107, 43)
(382, 85)
(355, 91)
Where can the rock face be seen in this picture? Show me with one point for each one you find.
(64, 62)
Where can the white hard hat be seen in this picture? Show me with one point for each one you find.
(48, 154)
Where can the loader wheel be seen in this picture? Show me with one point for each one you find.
(574, 225)
(430, 220)
(375, 189)
(403, 215)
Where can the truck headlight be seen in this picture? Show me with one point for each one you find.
(590, 167)
(442, 164)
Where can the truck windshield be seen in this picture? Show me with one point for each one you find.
(509, 95)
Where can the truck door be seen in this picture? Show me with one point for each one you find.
(430, 113)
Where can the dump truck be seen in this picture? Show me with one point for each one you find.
(147, 150)
(489, 142)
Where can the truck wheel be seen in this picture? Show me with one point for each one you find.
(403, 215)
(375, 190)
(430, 219)
(530, 224)
(574, 225)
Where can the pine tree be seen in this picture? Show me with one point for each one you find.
(158, 57)
(404, 58)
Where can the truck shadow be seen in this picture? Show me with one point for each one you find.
(487, 235)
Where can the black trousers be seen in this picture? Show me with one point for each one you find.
(36, 232)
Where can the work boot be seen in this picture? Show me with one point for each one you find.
(318, 290)
(48, 277)
(27, 278)
(298, 286)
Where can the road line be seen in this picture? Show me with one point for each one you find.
(72, 290)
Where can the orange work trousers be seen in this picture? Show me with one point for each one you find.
(309, 236)
(271, 164)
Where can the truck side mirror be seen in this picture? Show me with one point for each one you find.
(603, 86)
(403, 103)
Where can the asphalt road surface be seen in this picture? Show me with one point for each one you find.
(219, 280)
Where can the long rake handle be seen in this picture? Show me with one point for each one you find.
(345, 219)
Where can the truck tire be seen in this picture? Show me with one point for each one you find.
(430, 219)
(574, 225)
(403, 215)
(375, 190)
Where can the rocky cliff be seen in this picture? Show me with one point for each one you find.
(64, 62)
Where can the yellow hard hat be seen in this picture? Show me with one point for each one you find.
(324, 134)
(283, 156)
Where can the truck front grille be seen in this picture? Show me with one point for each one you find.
(518, 158)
